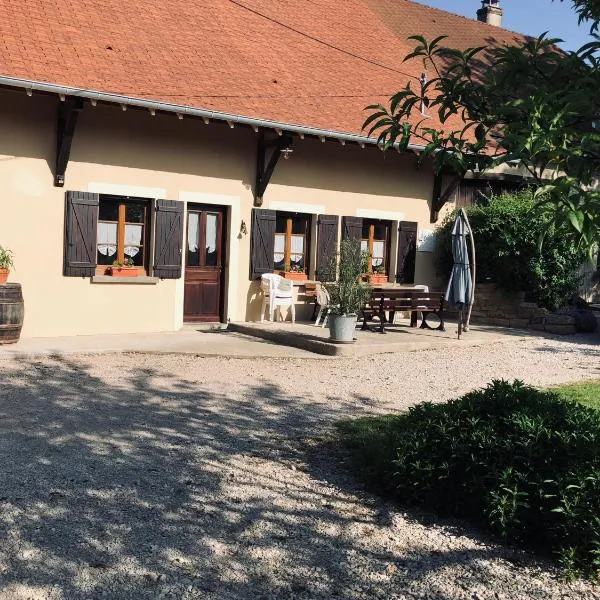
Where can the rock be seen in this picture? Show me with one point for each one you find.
(560, 319)
(584, 318)
(519, 323)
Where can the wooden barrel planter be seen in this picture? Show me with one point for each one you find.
(12, 311)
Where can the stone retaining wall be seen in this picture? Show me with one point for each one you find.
(495, 307)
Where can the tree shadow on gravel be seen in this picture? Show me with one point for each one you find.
(151, 485)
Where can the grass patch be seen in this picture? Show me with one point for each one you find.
(586, 393)
(520, 462)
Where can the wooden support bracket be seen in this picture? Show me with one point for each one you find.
(441, 193)
(68, 111)
(264, 169)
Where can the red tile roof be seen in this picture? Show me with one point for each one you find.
(315, 63)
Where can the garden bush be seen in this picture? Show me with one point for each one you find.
(507, 232)
(521, 462)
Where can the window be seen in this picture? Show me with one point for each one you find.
(375, 240)
(291, 242)
(122, 231)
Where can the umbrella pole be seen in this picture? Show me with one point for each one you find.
(460, 320)
(473, 270)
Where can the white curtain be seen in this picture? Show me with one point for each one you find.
(378, 251)
(297, 244)
(107, 238)
(193, 232)
(133, 235)
(211, 233)
(279, 247)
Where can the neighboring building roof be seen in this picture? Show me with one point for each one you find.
(311, 63)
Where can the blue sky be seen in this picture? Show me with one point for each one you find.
(532, 17)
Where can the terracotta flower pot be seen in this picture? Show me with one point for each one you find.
(293, 275)
(4, 275)
(377, 279)
(124, 271)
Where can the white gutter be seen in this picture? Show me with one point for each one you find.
(31, 86)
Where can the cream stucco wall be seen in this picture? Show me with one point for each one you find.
(133, 152)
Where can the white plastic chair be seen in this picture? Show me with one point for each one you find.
(277, 292)
(323, 302)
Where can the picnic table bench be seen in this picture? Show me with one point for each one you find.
(384, 300)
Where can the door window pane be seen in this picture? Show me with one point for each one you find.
(193, 252)
(211, 240)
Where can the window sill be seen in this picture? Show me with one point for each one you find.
(301, 282)
(140, 280)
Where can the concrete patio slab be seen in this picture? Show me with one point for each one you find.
(192, 340)
(400, 338)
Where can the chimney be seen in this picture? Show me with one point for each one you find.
(490, 12)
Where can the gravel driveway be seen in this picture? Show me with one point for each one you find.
(132, 476)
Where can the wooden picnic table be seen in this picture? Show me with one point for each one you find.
(392, 299)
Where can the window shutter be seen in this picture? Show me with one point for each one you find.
(81, 226)
(168, 239)
(327, 241)
(263, 242)
(407, 252)
(352, 228)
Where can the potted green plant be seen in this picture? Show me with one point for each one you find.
(295, 273)
(348, 293)
(6, 263)
(124, 268)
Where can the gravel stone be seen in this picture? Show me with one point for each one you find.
(136, 476)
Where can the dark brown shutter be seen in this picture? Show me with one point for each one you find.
(81, 226)
(168, 238)
(352, 228)
(327, 241)
(263, 242)
(407, 252)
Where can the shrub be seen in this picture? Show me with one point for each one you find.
(522, 462)
(507, 234)
(347, 294)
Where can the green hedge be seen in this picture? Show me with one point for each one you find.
(507, 235)
(522, 462)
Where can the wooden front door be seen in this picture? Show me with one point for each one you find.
(205, 264)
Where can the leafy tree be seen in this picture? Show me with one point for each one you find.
(532, 106)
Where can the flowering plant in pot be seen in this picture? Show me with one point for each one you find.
(347, 293)
(296, 273)
(124, 268)
(378, 276)
(6, 263)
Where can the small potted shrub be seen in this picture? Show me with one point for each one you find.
(295, 273)
(348, 294)
(124, 268)
(6, 263)
(378, 276)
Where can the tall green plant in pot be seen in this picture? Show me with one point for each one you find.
(6, 263)
(347, 292)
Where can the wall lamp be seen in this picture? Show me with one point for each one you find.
(243, 228)
(286, 153)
